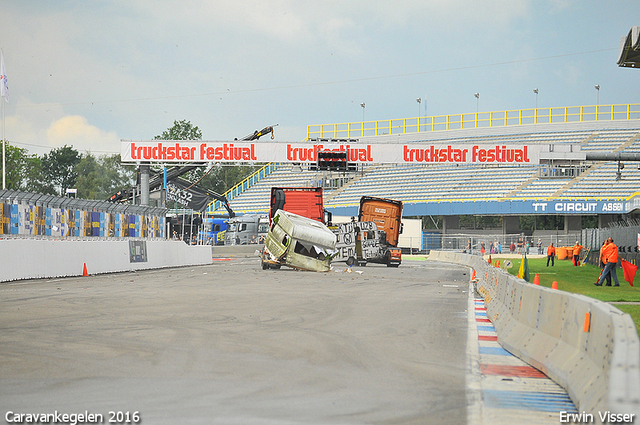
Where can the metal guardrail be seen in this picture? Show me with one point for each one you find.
(476, 120)
(51, 201)
(35, 215)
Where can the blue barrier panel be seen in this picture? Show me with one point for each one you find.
(132, 225)
(103, 224)
(95, 223)
(137, 226)
(78, 223)
(47, 222)
(14, 219)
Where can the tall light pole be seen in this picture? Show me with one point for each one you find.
(418, 121)
(477, 95)
(363, 105)
(597, 87)
(536, 92)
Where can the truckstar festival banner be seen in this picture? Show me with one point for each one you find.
(163, 151)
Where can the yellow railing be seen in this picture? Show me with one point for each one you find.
(476, 120)
(245, 184)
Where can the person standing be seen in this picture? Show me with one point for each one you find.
(602, 263)
(551, 253)
(576, 254)
(539, 246)
(611, 257)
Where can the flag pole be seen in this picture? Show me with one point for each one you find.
(4, 139)
(4, 142)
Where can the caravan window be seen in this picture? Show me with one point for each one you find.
(309, 250)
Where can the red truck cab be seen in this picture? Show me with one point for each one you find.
(304, 201)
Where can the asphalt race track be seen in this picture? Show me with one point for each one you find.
(230, 343)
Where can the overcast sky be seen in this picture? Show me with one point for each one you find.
(89, 73)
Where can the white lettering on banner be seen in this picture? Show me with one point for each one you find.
(309, 154)
(166, 151)
(541, 205)
(613, 207)
(576, 206)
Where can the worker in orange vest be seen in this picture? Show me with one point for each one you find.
(610, 256)
(602, 263)
(551, 253)
(576, 254)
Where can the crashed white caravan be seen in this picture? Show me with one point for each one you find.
(298, 242)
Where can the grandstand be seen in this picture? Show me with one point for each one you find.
(458, 189)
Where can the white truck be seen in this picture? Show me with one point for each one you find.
(246, 229)
(298, 242)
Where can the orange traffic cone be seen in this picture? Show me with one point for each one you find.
(536, 279)
(84, 270)
(554, 285)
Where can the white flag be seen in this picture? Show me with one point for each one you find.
(4, 86)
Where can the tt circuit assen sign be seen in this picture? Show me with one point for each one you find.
(163, 151)
(510, 207)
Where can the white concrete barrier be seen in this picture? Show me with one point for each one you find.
(598, 365)
(44, 258)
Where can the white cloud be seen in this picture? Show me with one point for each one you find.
(42, 127)
(74, 130)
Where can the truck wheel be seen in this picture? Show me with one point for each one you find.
(265, 266)
(351, 261)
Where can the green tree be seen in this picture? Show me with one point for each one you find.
(16, 160)
(34, 176)
(181, 130)
(59, 167)
(100, 177)
(88, 177)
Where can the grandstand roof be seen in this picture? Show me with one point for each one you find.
(630, 49)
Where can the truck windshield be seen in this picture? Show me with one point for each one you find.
(233, 227)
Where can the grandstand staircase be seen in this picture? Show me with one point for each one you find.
(628, 143)
(524, 184)
(558, 193)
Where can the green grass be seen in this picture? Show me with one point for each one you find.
(580, 280)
